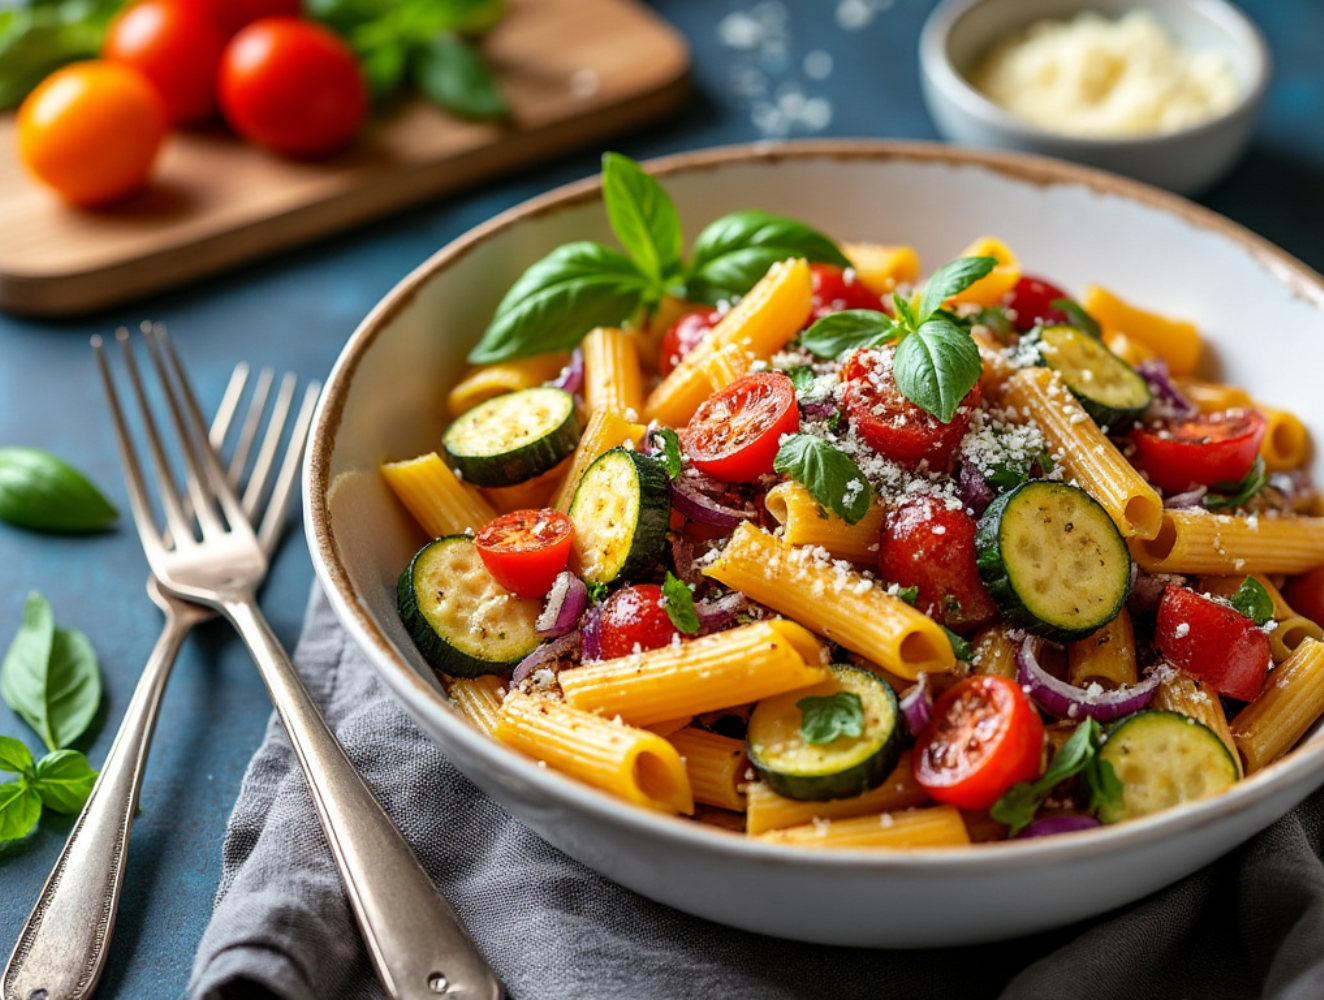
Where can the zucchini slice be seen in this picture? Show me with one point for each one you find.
(846, 767)
(1052, 560)
(463, 622)
(621, 510)
(513, 438)
(1108, 388)
(1164, 759)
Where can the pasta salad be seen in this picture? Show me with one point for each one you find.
(791, 540)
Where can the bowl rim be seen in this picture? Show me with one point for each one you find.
(421, 698)
(937, 64)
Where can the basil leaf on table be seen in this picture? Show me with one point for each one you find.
(952, 279)
(43, 493)
(680, 604)
(642, 216)
(560, 298)
(829, 474)
(50, 676)
(836, 334)
(823, 719)
(451, 71)
(64, 780)
(14, 756)
(20, 808)
(936, 366)
(735, 251)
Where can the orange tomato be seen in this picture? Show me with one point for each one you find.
(92, 131)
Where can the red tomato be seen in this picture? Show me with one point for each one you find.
(735, 434)
(892, 425)
(836, 290)
(985, 737)
(526, 549)
(234, 15)
(634, 620)
(1222, 647)
(1032, 299)
(1202, 450)
(176, 45)
(926, 545)
(292, 86)
(684, 336)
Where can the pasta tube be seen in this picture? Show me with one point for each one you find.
(1175, 341)
(1195, 541)
(612, 378)
(1213, 397)
(989, 289)
(438, 501)
(716, 766)
(1107, 658)
(606, 430)
(766, 810)
(530, 494)
(483, 383)
(805, 522)
(1286, 443)
(478, 699)
(995, 652)
(1291, 702)
(882, 268)
(938, 826)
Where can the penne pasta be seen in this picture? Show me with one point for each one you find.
(669, 726)
(1291, 702)
(483, 383)
(1213, 397)
(479, 699)
(937, 826)
(990, 289)
(995, 652)
(716, 766)
(1107, 658)
(1178, 691)
(531, 494)
(612, 377)
(1195, 541)
(439, 502)
(605, 430)
(1286, 443)
(883, 268)
(766, 810)
(997, 367)
(805, 522)
(1175, 341)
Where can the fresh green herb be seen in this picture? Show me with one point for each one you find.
(43, 493)
(64, 780)
(936, 366)
(50, 676)
(960, 647)
(680, 604)
(829, 474)
(643, 218)
(597, 591)
(61, 781)
(802, 377)
(838, 333)
(1253, 601)
(823, 719)
(909, 594)
(1045, 462)
(669, 455)
(905, 312)
(995, 319)
(1006, 475)
(1078, 317)
(448, 70)
(15, 758)
(1227, 496)
(40, 36)
(952, 279)
(834, 421)
(1079, 755)
(735, 251)
(20, 808)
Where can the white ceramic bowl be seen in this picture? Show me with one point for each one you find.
(959, 32)
(1263, 315)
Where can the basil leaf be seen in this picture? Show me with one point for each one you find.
(995, 318)
(14, 756)
(1006, 475)
(643, 217)
(670, 453)
(56, 694)
(64, 780)
(936, 366)
(43, 493)
(823, 719)
(680, 605)
(909, 594)
(20, 808)
(802, 377)
(1105, 788)
(597, 591)
(1018, 805)
(559, 299)
(1226, 496)
(1253, 601)
(451, 72)
(829, 474)
(735, 251)
(1045, 462)
(834, 421)
(1079, 318)
(905, 312)
(835, 334)
(952, 279)
(961, 648)
(384, 66)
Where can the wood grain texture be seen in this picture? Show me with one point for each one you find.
(573, 70)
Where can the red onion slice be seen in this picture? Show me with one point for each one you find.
(1155, 372)
(917, 705)
(696, 506)
(1145, 592)
(713, 614)
(565, 603)
(974, 490)
(1066, 701)
(592, 635)
(571, 378)
(547, 653)
(1050, 826)
(1190, 498)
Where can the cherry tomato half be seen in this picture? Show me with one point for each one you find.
(836, 290)
(1202, 450)
(292, 86)
(234, 15)
(176, 45)
(892, 425)
(735, 434)
(526, 549)
(925, 544)
(1222, 647)
(684, 335)
(91, 131)
(985, 737)
(1032, 298)
(634, 620)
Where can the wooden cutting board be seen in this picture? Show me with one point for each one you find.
(574, 72)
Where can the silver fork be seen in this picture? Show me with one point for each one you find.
(414, 939)
(62, 948)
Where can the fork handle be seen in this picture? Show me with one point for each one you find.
(62, 948)
(417, 944)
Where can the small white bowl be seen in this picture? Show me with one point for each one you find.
(959, 32)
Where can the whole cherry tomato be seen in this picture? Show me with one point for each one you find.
(684, 336)
(634, 620)
(292, 86)
(1202, 450)
(892, 425)
(734, 435)
(985, 736)
(1032, 299)
(925, 544)
(525, 550)
(234, 15)
(836, 290)
(91, 131)
(1217, 644)
(176, 45)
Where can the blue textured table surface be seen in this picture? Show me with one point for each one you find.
(827, 67)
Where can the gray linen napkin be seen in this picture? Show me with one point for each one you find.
(1252, 924)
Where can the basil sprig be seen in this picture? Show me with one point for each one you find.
(1253, 601)
(1229, 496)
(40, 492)
(680, 604)
(823, 719)
(582, 285)
(842, 332)
(62, 781)
(50, 676)
(829, 474)
(1079, 755)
